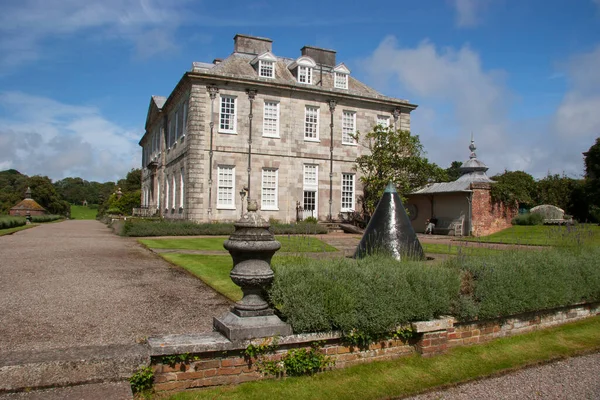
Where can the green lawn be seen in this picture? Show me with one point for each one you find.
(299, 244)
(9, 231)
(454, 249)
(82, 212)
(212, 270)
(544, 235)
(414, 374)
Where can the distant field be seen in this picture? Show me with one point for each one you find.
(82, 212)
(543, 235)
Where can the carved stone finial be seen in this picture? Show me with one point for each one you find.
(28, 193)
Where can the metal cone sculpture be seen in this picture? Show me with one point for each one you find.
(389, 231)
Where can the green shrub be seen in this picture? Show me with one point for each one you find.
(373, 295)
(514, 282)
(310, 220)
(93, 206)
(11, 222)
(159, 227)
(45, 218)
(528, 219)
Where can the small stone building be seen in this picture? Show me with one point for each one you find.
(462, 207)
(27, 205)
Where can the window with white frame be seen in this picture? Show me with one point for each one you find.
(305, 74)
(310, 175)
(181, 175)
(185, 116)
(227, 115)
(348, 127)
(311, 123)
(177, 124)
(269, 189)
(341, 80)
(271, 119)
(383, 120)
(167, 192)
(174, 191)
(347, 192)
(225, 187)
(266, 69)
(172, 138)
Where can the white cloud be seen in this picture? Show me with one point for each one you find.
(149, 25)
(39, 135)
(468, 12)
(459, 96)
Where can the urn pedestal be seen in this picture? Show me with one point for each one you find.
(251, 246)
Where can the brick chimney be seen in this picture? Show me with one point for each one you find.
(251, 44)
(321, 56)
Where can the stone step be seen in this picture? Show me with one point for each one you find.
(93, 391)
(24, 371)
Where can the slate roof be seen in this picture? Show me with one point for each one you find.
(237, 65)
(473, 171)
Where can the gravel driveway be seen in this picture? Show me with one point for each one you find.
(74, 283)
(574, 378)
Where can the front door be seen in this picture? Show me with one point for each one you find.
(309, 204)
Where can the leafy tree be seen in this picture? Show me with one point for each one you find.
(556, 190)
(514, 187)
(10, 181)
(44, 192)
(132, 182)
(592, 179)
(453, 172)
(395, 156)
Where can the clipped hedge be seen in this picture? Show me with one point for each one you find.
(158, 227)
(7, 222)
(45, 218)
(373, 295)
(376, 294)
(528, 219)
(514, 282)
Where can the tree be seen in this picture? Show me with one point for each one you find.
(44, 192)
(514, 187)
(592, 179)
(556, 190)
(453, 172)
(132, 182)
(395, 156)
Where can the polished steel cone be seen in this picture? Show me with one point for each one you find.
(389, 231)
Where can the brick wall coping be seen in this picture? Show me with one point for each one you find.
(214, 341)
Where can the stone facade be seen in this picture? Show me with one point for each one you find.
(181, 173)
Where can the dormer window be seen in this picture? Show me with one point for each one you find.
(304, 74)
(340, 76)
(265, 65)
(266, 69)
(304, 69)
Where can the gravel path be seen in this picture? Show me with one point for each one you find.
(574, 378)
(74, 283)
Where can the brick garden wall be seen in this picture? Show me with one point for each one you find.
(224, 363)
(488, 217)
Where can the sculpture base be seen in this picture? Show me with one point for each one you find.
(237, 328)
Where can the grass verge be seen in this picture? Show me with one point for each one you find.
(414, 374)
(544, 235)
(83, 212)
(299, 244)
(10, 231)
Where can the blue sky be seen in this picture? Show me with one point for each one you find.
(76, 76)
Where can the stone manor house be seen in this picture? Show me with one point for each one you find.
(275, 129)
